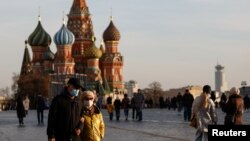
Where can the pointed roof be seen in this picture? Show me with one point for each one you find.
(26, 64)
(80, 3)
(39, 37)
(79, 7)
(111, 33)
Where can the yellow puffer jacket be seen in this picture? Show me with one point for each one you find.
(93, 129)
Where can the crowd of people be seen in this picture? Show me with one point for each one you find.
(75, 113)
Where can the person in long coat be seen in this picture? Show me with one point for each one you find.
(234, 108)
(20, 110)
(64, 113)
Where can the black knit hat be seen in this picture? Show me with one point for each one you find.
(75, 82)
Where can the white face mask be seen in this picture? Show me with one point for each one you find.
(88, 103)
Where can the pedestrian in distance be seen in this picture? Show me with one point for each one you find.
(64, 113)
(223, 101)
(179, 102)
(203, 108)
(40, 106)
(187, 101)
(134, 113)
(117, 104)
(26, 104)
(139, 104)
(20, 110)
(110, 108)
(125, 105)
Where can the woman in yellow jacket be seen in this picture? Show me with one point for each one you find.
(92, 120)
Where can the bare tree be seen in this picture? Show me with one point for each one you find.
(156, 90)
(14, 86)
(32, 85)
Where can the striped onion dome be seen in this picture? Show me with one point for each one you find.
(111, 33)
(39, 37)
(92, 52)
(64, 36)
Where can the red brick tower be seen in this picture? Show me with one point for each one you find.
(80, 24)
(111, 62)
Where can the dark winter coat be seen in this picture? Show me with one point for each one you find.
(40, 103)
(20, 108)
(234, 110)
(64, 116)
(187, 100)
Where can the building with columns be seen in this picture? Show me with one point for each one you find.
(77, 54)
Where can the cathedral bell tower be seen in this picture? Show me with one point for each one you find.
(112, 61)
(80, 23)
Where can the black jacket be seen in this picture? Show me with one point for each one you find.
(64, 116)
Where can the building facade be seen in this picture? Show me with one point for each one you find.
(77, 54)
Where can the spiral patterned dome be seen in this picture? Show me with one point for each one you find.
(111, 33)
(92, 52)
(64, 36)
(39, 37)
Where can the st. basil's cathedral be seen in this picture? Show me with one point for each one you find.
(77, 54)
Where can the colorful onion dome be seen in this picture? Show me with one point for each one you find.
(64, 36)
(92, 52)
(48, 55)
(111, 33)
(39, 37)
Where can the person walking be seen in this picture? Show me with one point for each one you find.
(40, 106)
(187, 101)
(139, 102)
(117, 104)
(134, 113)
(246, 102)
(20, 110)
(26, 104)
(92, 125)
(64, 113)
(223, 101)
(125, 105)
(203, 108)
(179, 102)
(234, 108)
(110, 108)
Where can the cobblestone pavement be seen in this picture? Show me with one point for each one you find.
(157, 125)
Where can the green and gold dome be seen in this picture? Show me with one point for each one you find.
(92, 52)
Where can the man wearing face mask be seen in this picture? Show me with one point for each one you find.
(92, 128)
(64, 113)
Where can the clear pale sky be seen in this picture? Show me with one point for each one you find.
(175, 42)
